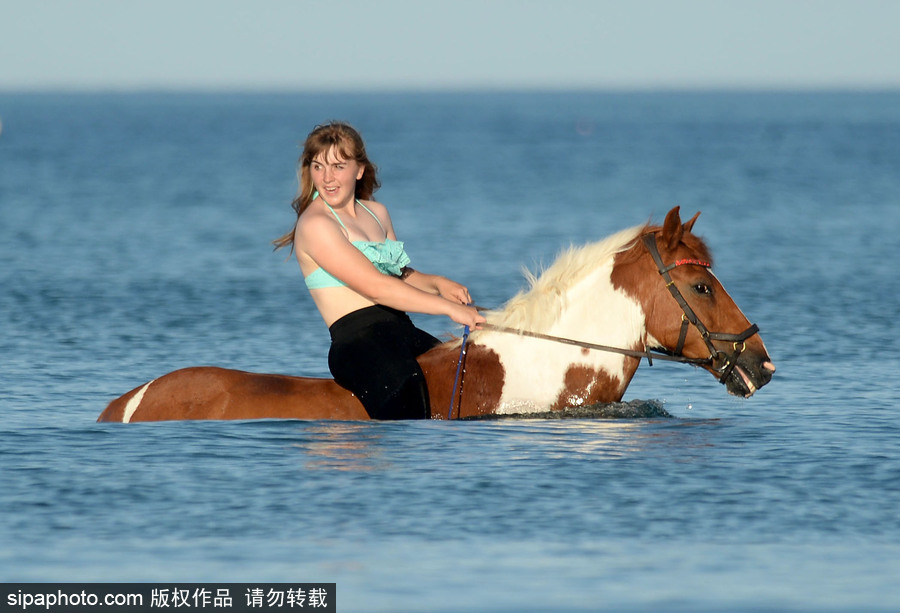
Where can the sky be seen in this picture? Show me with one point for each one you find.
(300, 45)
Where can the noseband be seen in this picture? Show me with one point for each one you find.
(719, 361)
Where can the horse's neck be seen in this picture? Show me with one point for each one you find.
(596, 312)
(540, 372)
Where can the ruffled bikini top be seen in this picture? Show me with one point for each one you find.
(387, 256)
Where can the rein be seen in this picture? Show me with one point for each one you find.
(647, 353)
(688, 318)
(460, 367)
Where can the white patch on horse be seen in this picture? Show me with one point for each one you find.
(574, 299)
(133, 403)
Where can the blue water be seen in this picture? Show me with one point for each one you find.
(134, 240)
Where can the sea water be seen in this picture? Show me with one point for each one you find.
(135, 238)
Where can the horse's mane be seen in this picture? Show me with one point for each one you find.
(540, 305)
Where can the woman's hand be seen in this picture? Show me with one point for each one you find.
(466, 316)
(456, 298)
(451, 290)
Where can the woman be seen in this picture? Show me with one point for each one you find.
(359, 278)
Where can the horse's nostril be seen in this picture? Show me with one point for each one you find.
(768, 366)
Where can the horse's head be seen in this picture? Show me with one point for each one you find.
(688, 311)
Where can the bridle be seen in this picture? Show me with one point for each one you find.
(720, 362)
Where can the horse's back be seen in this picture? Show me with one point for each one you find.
(208, 392)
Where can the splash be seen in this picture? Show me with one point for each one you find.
(633, 409)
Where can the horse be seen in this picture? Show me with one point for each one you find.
(574, 337)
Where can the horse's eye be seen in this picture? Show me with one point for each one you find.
(702, 289)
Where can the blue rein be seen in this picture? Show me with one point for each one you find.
(457, 380)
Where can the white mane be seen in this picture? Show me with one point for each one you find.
(539, 306)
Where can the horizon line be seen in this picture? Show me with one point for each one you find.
(285, 90)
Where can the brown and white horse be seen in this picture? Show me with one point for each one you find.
(575, 337)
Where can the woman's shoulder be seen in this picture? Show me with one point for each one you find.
(376, 207)
(316, 222)
(379, 210)
(381, 214)
(313, 215)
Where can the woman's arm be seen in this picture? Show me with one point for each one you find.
(436, 284)
(324, 242)
(433, 284)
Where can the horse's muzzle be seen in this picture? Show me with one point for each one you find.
(751, 371)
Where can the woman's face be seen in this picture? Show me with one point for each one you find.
(335, 177)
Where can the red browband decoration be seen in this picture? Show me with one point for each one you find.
(697, 262)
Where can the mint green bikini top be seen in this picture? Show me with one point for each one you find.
(388, 256)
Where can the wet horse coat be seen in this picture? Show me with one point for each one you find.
(608, 293)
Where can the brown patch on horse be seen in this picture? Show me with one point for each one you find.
(585, 386)
(482, 380)
(483, 383)
(287, 397)
(189, 393)
(209, 392)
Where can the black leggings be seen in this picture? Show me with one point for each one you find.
(373, 354)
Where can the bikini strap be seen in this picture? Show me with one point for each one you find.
(373, 215)
(336, 216)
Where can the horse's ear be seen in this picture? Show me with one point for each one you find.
(672, 230)
(689, 224)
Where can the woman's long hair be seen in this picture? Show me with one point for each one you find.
(349, 145)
